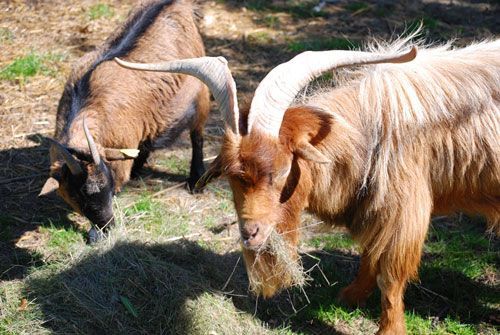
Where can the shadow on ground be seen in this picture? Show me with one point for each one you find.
(22, 174)
(171, 287)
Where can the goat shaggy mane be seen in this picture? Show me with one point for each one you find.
(451, 95)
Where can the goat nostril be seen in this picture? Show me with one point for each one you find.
(250, 232)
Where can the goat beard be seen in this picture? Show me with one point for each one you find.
(274, 267)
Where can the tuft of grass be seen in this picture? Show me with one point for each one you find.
(31, 65)
(156, 219)
(175, 165)
(315, 44)
(99, 11)
(333, 314)
(332, 241)
(63, 241)
(416, 324)
(272, 21)
(23, 67)
(260, 37)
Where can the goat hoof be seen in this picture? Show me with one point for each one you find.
(191, 185)
(94, 235)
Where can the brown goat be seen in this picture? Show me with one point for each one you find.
(381, 153)
(127, 113)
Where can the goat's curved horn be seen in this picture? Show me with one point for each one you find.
(92, 146)
(278, 89)
(213, 71)
(68, 158)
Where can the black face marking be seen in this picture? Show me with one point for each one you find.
(119, 47)
(93, 193)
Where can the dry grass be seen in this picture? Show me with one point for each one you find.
(275, 266)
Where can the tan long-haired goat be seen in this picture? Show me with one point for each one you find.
(406, 136)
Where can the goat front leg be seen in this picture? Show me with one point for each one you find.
(197, 166)
(362, 287)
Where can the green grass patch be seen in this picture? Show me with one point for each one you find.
(333, 314)
(467, 251)
(332, 241)
(31, 65)
(175, 165)
(419, 325)
(156, 219)
(99, 11)
(23, 67)
(63, 241)
(315, 44)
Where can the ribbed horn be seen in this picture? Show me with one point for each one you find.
(278, 89)
(92, 146)
(68, 158)
(213, 71)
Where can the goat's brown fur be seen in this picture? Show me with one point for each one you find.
(134, 109)
(405, 141)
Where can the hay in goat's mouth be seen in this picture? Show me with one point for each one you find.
(275, 267)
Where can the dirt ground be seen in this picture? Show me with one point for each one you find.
(254, 36)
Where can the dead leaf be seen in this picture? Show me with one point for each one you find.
(24, 305)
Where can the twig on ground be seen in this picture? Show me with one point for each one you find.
(420, 287)
(168, 189)
(231, 275)
(176, 238)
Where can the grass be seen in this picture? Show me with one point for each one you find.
(31, 65)
(332, 241)
(139, 281)
(6, 35)
(329, 43)
(100, 11)
(174, 164)
(157, 219)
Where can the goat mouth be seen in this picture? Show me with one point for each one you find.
(260, 246)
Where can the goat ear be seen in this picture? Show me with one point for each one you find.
(214, 171)
(307, 151)
(50, 186)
